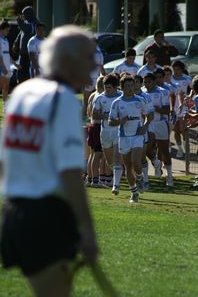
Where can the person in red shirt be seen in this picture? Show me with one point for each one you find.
(162, 49)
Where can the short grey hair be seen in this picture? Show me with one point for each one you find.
(63, 42)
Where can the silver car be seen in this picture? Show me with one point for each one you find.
(185, 41)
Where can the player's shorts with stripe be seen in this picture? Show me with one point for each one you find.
(126, 144)
(37, 232)
(108, 138)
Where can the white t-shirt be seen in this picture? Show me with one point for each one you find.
(33, 46)
(4, 51)
(34, 149)
(124, 67)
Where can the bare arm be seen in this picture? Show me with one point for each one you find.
(76, 196)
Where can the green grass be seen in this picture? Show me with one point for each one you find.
(147, 250)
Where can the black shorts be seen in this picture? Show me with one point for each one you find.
(37, 233)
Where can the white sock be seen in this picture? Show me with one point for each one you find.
(117, 174)
(156, 162)
(169, 170)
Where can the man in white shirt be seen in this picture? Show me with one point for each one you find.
(33, 46)
(128, 65)
(45, 213)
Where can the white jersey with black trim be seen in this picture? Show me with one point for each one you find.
(125, 67)
(132, 108)
(36, 149)
(103, 103)
(5, 52)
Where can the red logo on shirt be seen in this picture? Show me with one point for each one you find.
(23, 133)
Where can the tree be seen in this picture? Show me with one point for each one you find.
(6, 8)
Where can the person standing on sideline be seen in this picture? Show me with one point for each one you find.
(46, 219)
(128, 65)
(162, 48)
(5, 61)
(34, 49)
(26, 22)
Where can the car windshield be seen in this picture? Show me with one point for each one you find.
(180, 42)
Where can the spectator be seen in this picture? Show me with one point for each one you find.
(27, 22)
(128, 65)
(5, 61)
(46, 220)
(163, 50)
(34, 49)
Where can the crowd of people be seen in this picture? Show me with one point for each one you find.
(26, 47)
(133, 114)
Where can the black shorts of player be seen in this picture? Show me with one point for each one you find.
(37, 233)
(93, 139)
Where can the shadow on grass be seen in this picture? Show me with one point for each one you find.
(156, 185)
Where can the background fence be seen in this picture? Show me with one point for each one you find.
(192, 151)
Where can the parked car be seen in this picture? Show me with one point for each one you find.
(112, 45)
(185, 41)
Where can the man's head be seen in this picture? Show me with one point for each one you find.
(150, 57)
(159, 75)
(40, 30)
(110, 82)
(178, 68)
(127, 84)
(159, 36)
(149, 81)
(130, 56)
(4, 27)
(67, 55)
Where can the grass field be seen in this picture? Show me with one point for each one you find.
(147, 250)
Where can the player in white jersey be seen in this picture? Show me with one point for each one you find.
(159, 127)
(46, 219)
(127, 112)
(150, 65)
(146, 97)
(5, 61)
(109, 134)
(94, 171)
(174, 89)
(128, 65)
(184, 81)
(33, 47)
